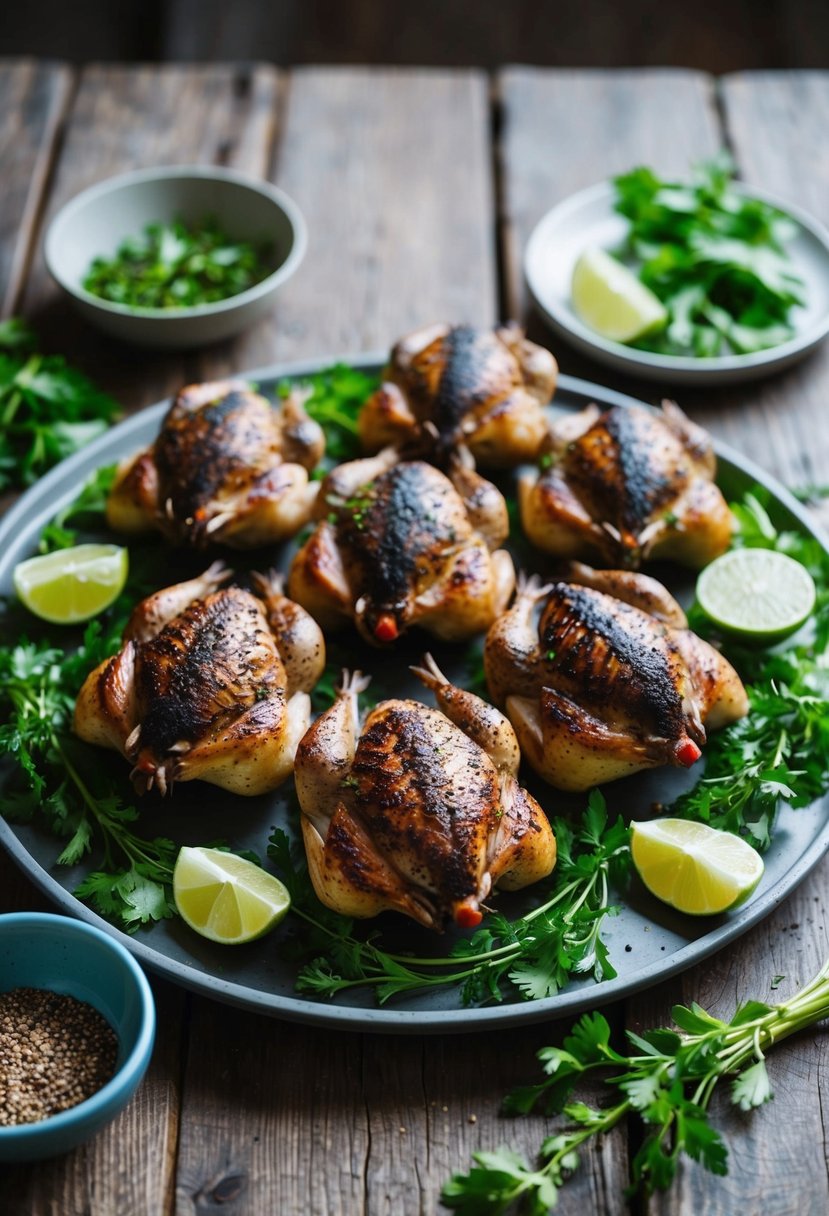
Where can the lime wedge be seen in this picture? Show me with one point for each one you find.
(226, 898)
(611, 300)
(72, 585)
(756, 594)
(693, 867)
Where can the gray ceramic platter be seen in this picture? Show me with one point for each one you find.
(647, 941)
(588, 218)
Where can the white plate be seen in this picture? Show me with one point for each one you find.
(588, 218)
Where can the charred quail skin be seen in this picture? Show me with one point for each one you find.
(211, 683)
(627, 485)
(400, 544)
(601, 677)
(419, 810)
(227, 467)
(452, 385)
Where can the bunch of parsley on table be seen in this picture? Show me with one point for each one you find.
(715, 257)
(665, 1080)
(778, 754)
(47, 408)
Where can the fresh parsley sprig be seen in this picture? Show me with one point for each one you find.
(38, 685)
(666, 1081)
(779, 753)
(715, 257)
(89, 506)
(47, 408)
(532, 956)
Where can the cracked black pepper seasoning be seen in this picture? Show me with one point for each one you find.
(55, 1052)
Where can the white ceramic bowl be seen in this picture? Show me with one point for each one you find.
(95, 222)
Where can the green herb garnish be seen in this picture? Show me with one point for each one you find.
(714, 257)
(59, 778)
(532, 956)
(47, 408)
(779, 753)
(337, 394)
(179, 266)
(665, 1082)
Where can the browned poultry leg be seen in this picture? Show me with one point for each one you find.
(476, 718)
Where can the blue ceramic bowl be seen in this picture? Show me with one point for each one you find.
(40, 950)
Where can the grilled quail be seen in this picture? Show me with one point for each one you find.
(454, 384)
(227, 467)
(402, 544)
(626, 485)
(607, 679)
(211, 683)
(419, 811)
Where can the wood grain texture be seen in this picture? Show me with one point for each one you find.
(776, 123)
(778, 1161)
(392, 172)
(130, 118)
(33, 99)
(273, 1118)
(554, 33)
(289, 1119)
(777, 1155)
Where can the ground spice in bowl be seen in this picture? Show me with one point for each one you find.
(55, 1052)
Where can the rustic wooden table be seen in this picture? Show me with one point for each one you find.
(420, 188)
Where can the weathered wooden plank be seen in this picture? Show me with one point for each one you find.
(33, 99)
(282, 1118)
(128, 118)
(274, 1118)
(468, 33)
(776, 123)
(777, 1158)
(778, 1155)
(565, 130)
(17, 891)
(392, 172)
(463, 1082)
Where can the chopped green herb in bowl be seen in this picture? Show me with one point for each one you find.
(179, 266)
(176, 256)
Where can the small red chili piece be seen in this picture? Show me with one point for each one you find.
(468, 915)
(386, 628)
(688, 753)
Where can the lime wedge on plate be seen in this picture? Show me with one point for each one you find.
(226, 898)
(757, 594)
(693, 867)
(72, 585)
(612, 301)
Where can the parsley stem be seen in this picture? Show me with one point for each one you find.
(486, 955)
